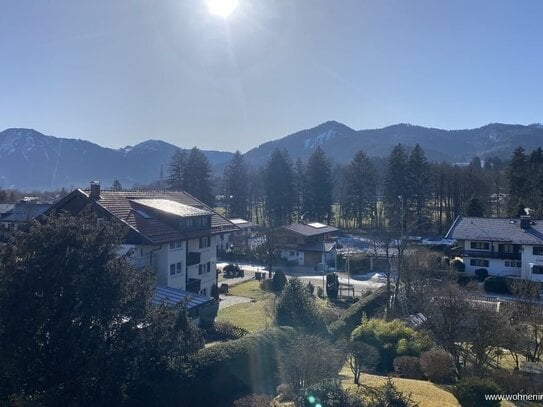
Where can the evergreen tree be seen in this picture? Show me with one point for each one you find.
(518, 177)
(116, 186)
(299, 188)
(279, 188)
(396, 188)
(176, 169)
(317, 201)
(77, 325)
(360, 189)
(418, 182)
(197, 176)
(236, 187)
(475, 208)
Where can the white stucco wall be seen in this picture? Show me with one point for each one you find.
(529, 260)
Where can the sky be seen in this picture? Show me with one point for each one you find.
(118, 72)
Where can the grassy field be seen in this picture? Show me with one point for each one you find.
(424, 393)
(253, 316)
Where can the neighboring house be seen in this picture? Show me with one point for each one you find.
(16, 215)
(171, 232)
(504, 247)
(244, 237)
(305, 244)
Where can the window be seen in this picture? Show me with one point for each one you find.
(291, 254)
(478, 262)
(175, 245)
(203, 291)
(538, 251)
(176, 268)
(201, 268)
(208, 266)
(204, 242)
(507, 248)
(480, 245)
(513, 263)
(537, 270)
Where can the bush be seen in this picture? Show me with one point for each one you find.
(458, 265)
(310, 288)
(308, 359)
(464, 279)
(254, 400)
(438, 366)
(279, 281)
(389, 396)
(352, 317)
(320, 292)
(392, 339)
(407, 367)
(496, 285)
(471, 392)
(222, 331)
(514, 381)
(481, 274)
(327, 393)
(226, 371)
(296, 308)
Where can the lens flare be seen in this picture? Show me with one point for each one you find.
(222, 8)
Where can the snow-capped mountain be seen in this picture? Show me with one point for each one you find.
(340, 142)
(29, 159)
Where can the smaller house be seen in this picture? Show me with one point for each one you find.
(505, 247)
(243, 237)
(17, 215)
(307, 244)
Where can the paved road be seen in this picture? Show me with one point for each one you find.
(360, 283)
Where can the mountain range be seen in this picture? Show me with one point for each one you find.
(32, 160)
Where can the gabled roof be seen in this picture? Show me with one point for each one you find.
(242, 223)
(311, 229)
(23, 212)
(496, 230)
(138, 210)
(5, 208)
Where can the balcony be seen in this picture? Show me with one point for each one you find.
(485, 254)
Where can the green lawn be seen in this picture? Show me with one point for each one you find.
(253, 316)
(424, 393)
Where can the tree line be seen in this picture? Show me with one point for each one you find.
(405, 193)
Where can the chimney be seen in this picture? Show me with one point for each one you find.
(95, 189)
(525, 221)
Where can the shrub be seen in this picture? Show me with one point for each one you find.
(243, 366)
(496, 285)
(408, 367)
(458, 265)
(327, 393)
(481, 274)
(388, 395)
(320, 292)
(296, 308)
(471, 392)
(279, 281)
(254, 400)
(352, 317)
(464, 279)
(222, 331)
(308, 359)
(514, 381)
(392, 339)
(310, 288)
(438, 366)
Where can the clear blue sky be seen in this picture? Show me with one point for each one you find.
(117, 72)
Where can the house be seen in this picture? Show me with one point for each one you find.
(503, 246)
(306, 244)
(171, 232)
(18, 214)
(244, 237)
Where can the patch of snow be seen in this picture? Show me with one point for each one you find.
(312, 142)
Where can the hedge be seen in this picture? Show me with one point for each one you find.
(352, 317)
(226, 371)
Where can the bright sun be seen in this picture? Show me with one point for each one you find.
(222, 8)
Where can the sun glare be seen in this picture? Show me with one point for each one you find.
(222, 8)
